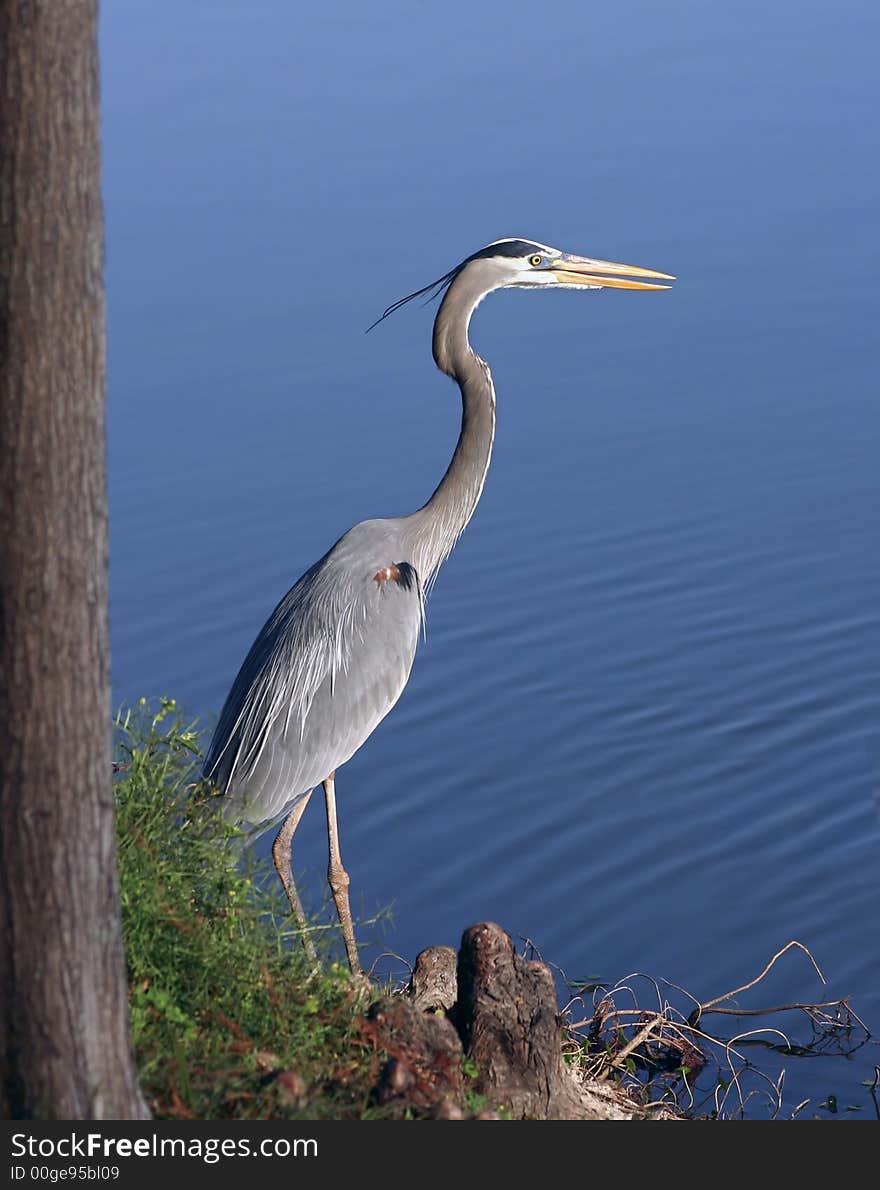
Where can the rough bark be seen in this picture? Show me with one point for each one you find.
(424, 1069)
(433, 984)
(63, 1005)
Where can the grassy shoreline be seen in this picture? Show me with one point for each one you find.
(227, 1021)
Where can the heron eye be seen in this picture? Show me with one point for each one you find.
(536, 260)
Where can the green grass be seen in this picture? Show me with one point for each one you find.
(226, 1019)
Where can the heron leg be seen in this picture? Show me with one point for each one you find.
(338, 877)
(281, 856)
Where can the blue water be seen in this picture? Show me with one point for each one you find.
(644, 730)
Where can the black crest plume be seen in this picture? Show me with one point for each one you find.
(433, 290)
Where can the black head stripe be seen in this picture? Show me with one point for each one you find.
(507, 248)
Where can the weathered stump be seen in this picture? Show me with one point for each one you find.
(509, 1025)
(503, 1016)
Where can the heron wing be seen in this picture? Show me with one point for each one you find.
(328, 665)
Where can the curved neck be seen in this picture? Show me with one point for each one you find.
(434, 529)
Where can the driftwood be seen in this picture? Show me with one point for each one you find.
(491, 1011)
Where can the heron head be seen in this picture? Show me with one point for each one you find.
(526, 264)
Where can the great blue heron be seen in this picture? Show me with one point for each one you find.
(333, 658)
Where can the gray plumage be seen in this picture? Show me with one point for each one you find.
(327, 667)
(336, 653)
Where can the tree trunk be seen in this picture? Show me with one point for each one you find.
(63, 1015)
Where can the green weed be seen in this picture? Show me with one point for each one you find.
(227, 1019)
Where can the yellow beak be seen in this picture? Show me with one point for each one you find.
(581, 270)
